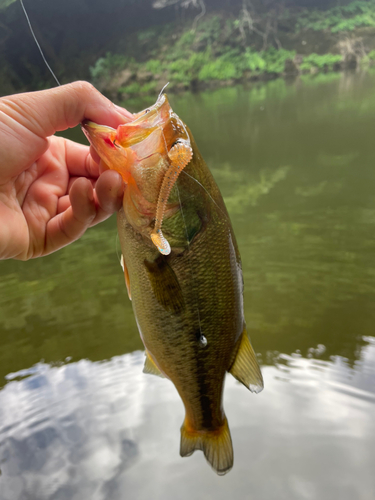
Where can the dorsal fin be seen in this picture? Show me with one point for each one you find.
(150, 367)
(245, 367)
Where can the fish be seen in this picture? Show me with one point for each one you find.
(182, 271)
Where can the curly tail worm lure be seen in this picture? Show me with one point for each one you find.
(179, 157)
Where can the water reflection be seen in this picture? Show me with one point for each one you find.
(105, 430)
(295, 164)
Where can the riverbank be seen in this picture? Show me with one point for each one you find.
(152, 42)
(222, 50)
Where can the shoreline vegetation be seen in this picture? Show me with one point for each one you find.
(221, 50)
(192, 44)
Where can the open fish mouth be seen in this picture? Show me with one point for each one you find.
(149, 152)
(116, 146)
(160, 115)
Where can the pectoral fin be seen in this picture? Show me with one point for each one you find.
(150, 367)
(245, 366)
(165, 284)
(126, 274)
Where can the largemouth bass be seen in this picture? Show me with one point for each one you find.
(182, 270)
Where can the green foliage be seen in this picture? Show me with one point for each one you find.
(107, 66)
(219, 69)
(135, 88)
(180, 73)
(154, 66)
(146, 35)
(186, 39)
(368, 59)
(340, 18)
(148, 88)
(254, 61)
(5, 3)
(204, 37)
(209, 30)
(131, 89)
(244, 60)
(320, 61)
(355, 22)
(232, 63)
(275, 59)
(212, 52)
(185, 70)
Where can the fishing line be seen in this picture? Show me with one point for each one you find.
(37, 43)
(202, 339)
(201, 185)
(178, 193)
(59, 84)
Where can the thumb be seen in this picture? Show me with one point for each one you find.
(48, 111)
(29, 118)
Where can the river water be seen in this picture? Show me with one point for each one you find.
(78, 418)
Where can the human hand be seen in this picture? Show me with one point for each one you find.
(51, 189)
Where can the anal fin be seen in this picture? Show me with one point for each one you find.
(245, 367)
(150, 367)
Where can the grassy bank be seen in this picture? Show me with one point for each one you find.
(224, 49)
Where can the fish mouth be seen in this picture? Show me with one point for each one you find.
(103, 140)
(112, 143)
(95, 132)
(130, 133)
(143, 150)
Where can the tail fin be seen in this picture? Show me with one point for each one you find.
(216, 446)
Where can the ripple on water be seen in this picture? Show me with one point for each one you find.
(99, 429)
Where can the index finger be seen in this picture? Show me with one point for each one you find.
(79, 161)
(48, 111)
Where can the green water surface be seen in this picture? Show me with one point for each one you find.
(78, 419)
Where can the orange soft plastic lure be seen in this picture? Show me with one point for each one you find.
(179, 156)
